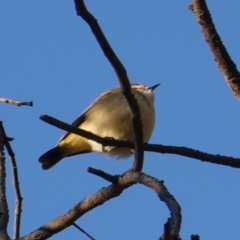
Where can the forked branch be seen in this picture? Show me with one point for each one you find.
(105, 194)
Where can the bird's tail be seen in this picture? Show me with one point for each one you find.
(51, 157)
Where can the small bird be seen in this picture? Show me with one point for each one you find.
(108, 116)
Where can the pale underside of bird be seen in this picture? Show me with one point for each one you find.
(108, 116)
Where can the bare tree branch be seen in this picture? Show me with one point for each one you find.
(223, 59)
(123, 79)
(165, 196)
(105, 194)
(16, 187)
(193, 153)
(106, 176)
(4, 213)
(167, 232)
(183, 151)
(17, 103)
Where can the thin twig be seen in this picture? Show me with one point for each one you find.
(16, 103)
(4, 216)
(83, 231)
(105, 194)
(108, 177)
(9, 139)
(221, 55)
(123, 79)
(16, 186)
(183, 151)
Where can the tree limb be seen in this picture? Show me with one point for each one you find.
(221, 55)
(105, 194)
(167, 232)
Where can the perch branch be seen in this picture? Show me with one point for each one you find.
(105, 194)
(17, 103)
(221, 55)
(182, 151)
(123, 79)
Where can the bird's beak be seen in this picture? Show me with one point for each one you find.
(154, 86)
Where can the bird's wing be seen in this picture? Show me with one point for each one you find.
(83, 116)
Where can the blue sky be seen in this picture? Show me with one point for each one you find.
(49, 55)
